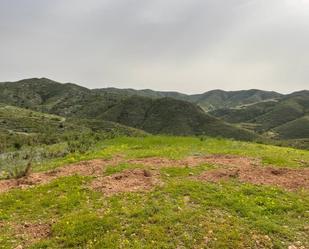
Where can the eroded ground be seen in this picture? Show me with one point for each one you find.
(244, 169)
(134, 180)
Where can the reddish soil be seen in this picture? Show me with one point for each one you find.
(230, 160)
(135, 180)
(93, 168)
(195, 161)
(33, 232)
(290, 179)
(155, 162)
(244, 168)
(87, 168)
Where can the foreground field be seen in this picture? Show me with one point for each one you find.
(161, 192)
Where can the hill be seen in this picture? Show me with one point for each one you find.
(22, 127)
(267, 113)
(209, 101)
(216, 99)
(286, 118)
(60, 98)
(171, 116)
(155, 115)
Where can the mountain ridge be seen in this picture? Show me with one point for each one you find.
(209, 100)
(156, 115)
(262, 112)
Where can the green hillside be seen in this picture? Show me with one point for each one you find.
(245, 113)
(19, 127)
(285, 119)
(60, 98)
(152, 114)
(216, 99)
(211, 100)
(298, 128)
(162, 192)
(52, 97)
(157, 112)
(171, 116)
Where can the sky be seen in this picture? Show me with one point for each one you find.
(190, 46)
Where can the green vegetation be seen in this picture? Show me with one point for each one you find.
(286, 119)
(180, 213)
(33, 137)
(170, 116)
(295, 129)
(217, 99)
(257, 115)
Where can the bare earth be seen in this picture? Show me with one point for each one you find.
(33, 232)
(244, 169)
(289, 179)
(127, 181)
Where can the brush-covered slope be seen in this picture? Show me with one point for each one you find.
(296, 129)
(211, 100)
(287, 118)
(171, 116)
(71, 99)
(22, 126)
(262, 111)
(53, 97)
(245, 113)
(155, 115)
(216, 99)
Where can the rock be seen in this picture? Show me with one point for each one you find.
(292, 247)
(146, 173)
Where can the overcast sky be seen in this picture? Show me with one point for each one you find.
(185, 45)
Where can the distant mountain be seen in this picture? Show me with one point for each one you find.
(145, 93)
(270, 113)
(151, 112)
(216, 99)
(52, 97)
(209, 101)
(59, 98)
(286, 118)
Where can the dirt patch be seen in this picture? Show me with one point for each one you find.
(96, 168)
(230, 160)
(32, 232)
(290, 179)
(155, 162)
(135, 180)
(193, 161)
(87, 168)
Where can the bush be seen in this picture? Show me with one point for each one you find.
(82, 143)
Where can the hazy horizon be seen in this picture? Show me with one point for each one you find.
(188, 46)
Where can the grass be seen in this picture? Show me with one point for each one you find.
(180, 147)
(181, 213)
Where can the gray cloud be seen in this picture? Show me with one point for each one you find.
(184, 45)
